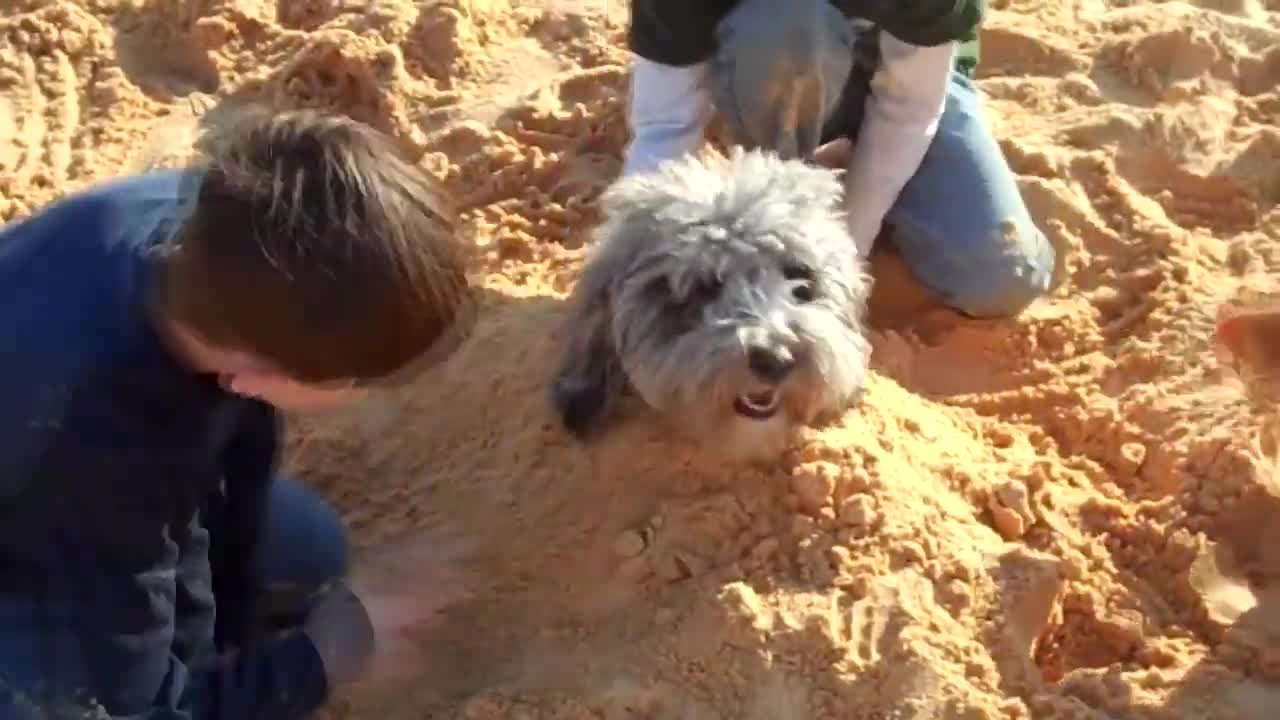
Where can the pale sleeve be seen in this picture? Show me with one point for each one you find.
(668, 114)
(903, 110)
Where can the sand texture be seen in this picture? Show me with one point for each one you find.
(1067, 515)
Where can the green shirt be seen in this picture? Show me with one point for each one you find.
(968, 55)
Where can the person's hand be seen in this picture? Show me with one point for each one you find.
(369, 629)
(835, 155)
(343, 633)
(403, 585)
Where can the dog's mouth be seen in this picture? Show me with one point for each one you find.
(760, 405)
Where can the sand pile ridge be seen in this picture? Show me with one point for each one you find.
(1067, 515)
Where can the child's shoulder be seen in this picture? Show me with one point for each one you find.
(71, 274)
(78, 343)
(98, 214)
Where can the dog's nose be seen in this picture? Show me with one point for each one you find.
(771, 364)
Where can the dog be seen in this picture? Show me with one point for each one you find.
(727, 294)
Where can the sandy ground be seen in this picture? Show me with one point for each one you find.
(1068, 515)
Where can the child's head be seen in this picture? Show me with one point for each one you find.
(314, 259)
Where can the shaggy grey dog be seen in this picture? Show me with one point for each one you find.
(727, 295)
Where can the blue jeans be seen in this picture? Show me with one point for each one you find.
(789, 80)
(303, 550)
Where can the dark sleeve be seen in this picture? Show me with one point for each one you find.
(260, 677)
(675, 32)
(39, 297)
(235, 521)
(256, 677)
(926, 23)
(281, 678)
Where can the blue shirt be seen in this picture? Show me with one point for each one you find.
(123, 476)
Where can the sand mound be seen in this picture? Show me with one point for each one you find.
(1070, 515)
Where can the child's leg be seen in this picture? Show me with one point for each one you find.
(780, 71)
(960, 222)
(303, 551)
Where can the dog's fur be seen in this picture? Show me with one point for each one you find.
(695, 265)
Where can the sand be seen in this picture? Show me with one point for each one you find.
(1072, 514)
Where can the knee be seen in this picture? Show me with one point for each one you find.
(1006, 281)
(304, 546)
(329, 556)
(990, 273)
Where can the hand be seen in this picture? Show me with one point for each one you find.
(835, 154)
(343, 634)
(403, 585)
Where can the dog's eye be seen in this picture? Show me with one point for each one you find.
(801, 278)
(658, 288)
(797, 272)
(705, 290)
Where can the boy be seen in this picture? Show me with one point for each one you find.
(151, 565)
(794, 75)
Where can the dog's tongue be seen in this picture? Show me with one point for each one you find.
(758, 405)
(763, 400)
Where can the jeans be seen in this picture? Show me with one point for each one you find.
(788, 80)
(303, 550)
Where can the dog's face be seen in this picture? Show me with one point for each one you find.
(729, 296)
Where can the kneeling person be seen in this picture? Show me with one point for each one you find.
(152, 564)
(889, 80)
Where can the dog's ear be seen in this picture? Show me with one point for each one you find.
(590, 377)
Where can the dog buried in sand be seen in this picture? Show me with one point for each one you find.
(727, 295)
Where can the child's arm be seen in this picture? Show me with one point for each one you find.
(259, 678)
(235, 521)
(908, 95)
(672, 42)
(669, 111)
(282, 677)
(918, 41)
